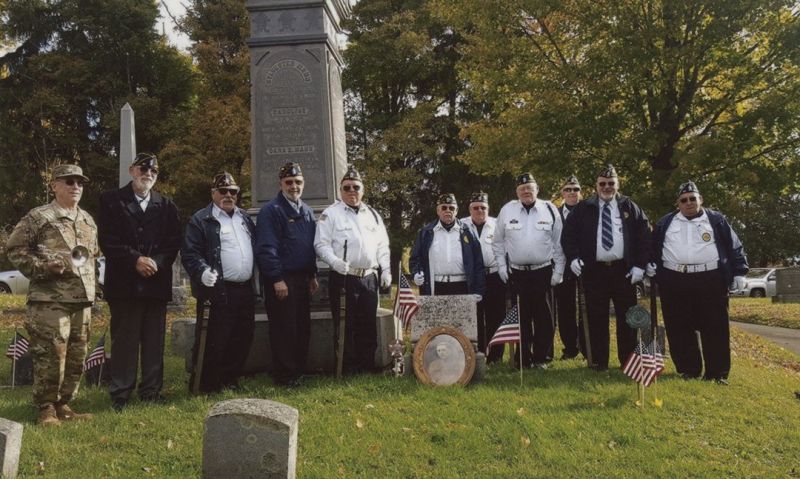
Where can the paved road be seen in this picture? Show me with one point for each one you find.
(786, 338)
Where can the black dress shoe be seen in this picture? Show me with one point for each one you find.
(569, 356)
(118, 405)
(154, 399)
(598, 368)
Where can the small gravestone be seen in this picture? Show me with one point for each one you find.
(22, 371)
(10, 445)
(247, 438)
(182, 336)
(457, 311)
(787, 286)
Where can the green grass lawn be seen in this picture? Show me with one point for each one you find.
(564, 422)
(764, 311)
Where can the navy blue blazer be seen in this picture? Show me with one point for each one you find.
(284, 240)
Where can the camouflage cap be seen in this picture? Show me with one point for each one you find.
(571, 180)
(447, 199)
(479, 197)
(608, 172)
(688, 187)
(64, 171)
(352, 174)
(225, 180)
(290, 169)
(148, 160)
(525, 178)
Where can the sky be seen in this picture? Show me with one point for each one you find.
(177, 8)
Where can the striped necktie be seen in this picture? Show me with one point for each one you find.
(608, 236)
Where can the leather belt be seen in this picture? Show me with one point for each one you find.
(610, 263)
(237, 284)
(492, 269)
(691, 268)
(449, 278)
(361, 272)
(530, 267)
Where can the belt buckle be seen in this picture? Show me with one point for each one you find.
(683, 268)
(358, 272)
(608, 263)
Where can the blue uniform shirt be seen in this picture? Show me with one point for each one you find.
(285, 240)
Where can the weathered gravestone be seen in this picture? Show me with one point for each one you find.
(787, 286)
(10, 445)
(248, 438)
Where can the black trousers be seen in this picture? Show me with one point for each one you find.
(137, 324)
(445, 289)
(361, 336)
(604, 284)
(696, 302)
(532, 289)
(231, 323)
(491, 311)
(289, 326)
(567, 317)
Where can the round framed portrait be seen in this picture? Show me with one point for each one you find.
(443, 357)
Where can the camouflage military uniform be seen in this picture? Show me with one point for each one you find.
(58, 304)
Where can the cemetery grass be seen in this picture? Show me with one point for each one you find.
(563, 422)
(763, 311)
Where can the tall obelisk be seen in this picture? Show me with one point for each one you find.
(127, 143)
(297, 110)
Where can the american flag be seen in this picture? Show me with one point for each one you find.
(405, 305)
(18, 347)
(643, 365)
(508, 332)
(97, 356)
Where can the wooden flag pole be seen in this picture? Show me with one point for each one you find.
(14, 360)
(519, 331)
(639, 385)
(654, 336)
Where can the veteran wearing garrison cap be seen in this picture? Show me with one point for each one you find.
(140, 236)
(607, 242)
(217, 254)
(351, 238)
(527, 249)
(60, 294)
(569, 330)
(447, 257)
(698, 257)
(287, 262)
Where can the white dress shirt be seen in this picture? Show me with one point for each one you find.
(445, 253)
(690, 241)
(617, 251)
(236, 246)
(529, 237)
(365, 233)
(486, 238)
(143, 202)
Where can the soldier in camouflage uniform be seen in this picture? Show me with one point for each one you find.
(60, 293)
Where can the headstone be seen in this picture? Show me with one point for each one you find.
(23, 371)
(10, 446)
(457, 311)
(787, 285)
(127, 143)
(247, 438)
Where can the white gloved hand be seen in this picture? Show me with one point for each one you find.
(576, 266)
(636, 275)
(209, 277)
(341, 267)
(419, 278)
(556, 279)
(739, 283)
(478, 298)
(503, 273)
(651, 270)
(386, 279)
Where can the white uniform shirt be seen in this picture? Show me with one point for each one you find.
(445, 253)
(690, 241)
(365, 233)
(486, 238)
(617, 251)
(236, 247)
(529, 237)
(143, 202)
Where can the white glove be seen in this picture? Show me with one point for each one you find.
(739, 283)
(478, 298)
(341, 267)
(636, 275)
(556, 279)
(576, 266)
(209, 277)
(386, 279)
(419, 278)
(503, 273)
(651, 270)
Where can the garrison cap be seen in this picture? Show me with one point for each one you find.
(447, 199)
(479, 197)
(147, 160)
(571, 180)
(688, 187)
(608, 172)
(65, 171)
(290, 169)
(351, 174)
(525, 178)
(225, 180)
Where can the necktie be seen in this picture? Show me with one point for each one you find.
(608, 236)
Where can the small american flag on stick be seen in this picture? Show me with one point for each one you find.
(644, 364)
(18, 347)
(97, 356)
(405, 305)
(508, 332)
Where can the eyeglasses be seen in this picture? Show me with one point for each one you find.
(479, 208)
(603, 184)
(348, 188)
(73, 182)
(144, 169)
(691, 199)
(448, 207)
(225, 191)
(571, 190)
(293, 182)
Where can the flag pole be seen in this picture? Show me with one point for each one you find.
(639, 385)
(519, 331)
(654, 336)
(100, 373)
(14, 360)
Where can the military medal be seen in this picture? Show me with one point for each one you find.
(706, 236)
